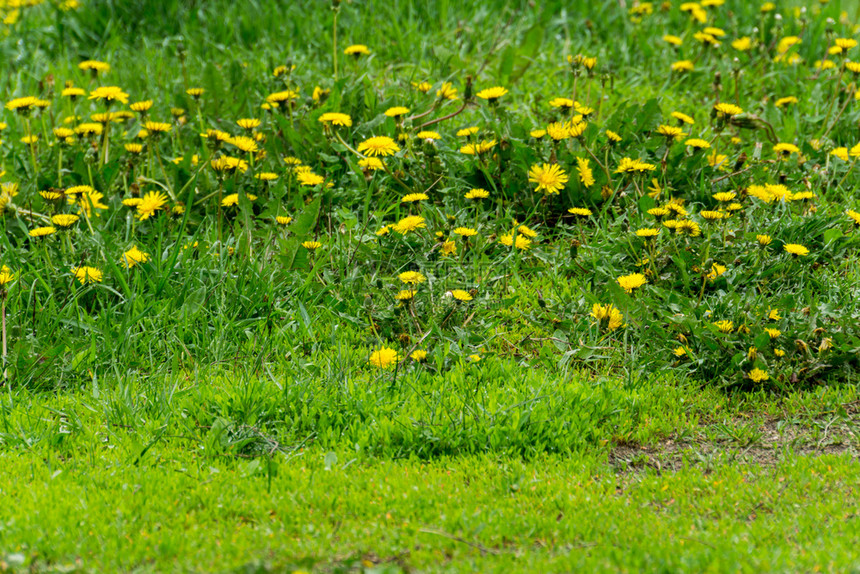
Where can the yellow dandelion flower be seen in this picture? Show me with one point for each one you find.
(527, 231)
(466, 132)
(86, 274)
(409, 223)
(64, 220)
(518, 242)
(742, 44)
(142, 106)
(422, 87)
(227, 164)
(412, 277)
(42, 231)
(586, 176)
(697, 143)
(632, 281)
(628, 165)
(786, 148)
(134, 256)
(278, 98)
(413, 197)
(608, 316)
(248, 123)
(94, 66)
(492, 94)
(461, 295)
(244, 143)
(157, 127)
(784, 102)
(152, 202)
(378, 146)
(357, 50)
(465, 232)
(396, 111)
(309, 178)
(683, 66)
(716, 271)
(558, 131)
(73, 92)
(383, 358)
(549, 178)
(477, 193)
(110, 94)
(371, 163)
(405, 295)
(689, 228)
(447, 92)
(795, 249)
(232, 200)
(758, 375)
(724, 326)
(683, 118)
(726, 109)
(6, 277)
(22, 105)
(670, 132)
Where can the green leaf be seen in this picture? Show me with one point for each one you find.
(302, 230)
(832, 235)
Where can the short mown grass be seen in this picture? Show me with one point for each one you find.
(215, 475)
(114, 507)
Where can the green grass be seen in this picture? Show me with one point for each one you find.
(215, 408)
(172, 510)
(201, 476)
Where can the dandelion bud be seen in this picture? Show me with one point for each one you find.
(91, 155)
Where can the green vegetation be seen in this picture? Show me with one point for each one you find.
(432, 286)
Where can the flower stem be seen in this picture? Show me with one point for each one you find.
(3, 313)
(334, 42)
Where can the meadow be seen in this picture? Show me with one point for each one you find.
(429, 287)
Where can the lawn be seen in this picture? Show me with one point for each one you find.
(429, 286)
